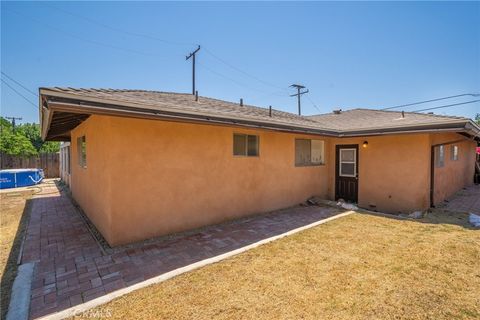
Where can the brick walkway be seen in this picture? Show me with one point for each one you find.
(71, 267)
(467, 200)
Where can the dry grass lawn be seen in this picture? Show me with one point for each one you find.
(12, 224)
(358, 267)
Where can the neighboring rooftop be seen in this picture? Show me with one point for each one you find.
(63, 109)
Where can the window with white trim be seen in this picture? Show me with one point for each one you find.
(348, 162)
(309, 152)
(245, 145)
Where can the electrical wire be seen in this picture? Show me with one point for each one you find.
(243, 72)
(106, 26)
(313, 103)
(21, 95)
(230, 79)
(98, 43)
(447, 106)
(19, 84)
(432, 100)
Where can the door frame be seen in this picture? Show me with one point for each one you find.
(337, 166)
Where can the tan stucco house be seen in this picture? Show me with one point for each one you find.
(147, 163)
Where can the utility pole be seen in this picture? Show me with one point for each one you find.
(192, 55)
(298, 94)
(13, 121)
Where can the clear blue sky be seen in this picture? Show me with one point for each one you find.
(348, 54)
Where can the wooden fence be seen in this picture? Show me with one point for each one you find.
(49, 162)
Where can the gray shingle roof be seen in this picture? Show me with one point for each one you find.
(351, 122)
(185, 103)
(361, 119)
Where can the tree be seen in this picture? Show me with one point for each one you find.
(25, 140)
(32, 132)
(14, 143)
(477, 118)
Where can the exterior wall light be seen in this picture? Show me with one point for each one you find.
(365, 144)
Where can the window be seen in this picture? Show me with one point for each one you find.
(309, 152)
(82, 151)
(440, 156)
(454, 153)
(245, 145)
(348, 163)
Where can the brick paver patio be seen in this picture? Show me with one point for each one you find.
(71, 267)
(466, 200)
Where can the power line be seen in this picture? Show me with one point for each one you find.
(165, 41)
(432, 100)
(130, 33)
(21, 95)
(84, 39)
(313, 103)
(243, 72)
(229, 79)
(446, 106)
(18, 83)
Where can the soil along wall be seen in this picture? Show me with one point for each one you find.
(164, 177)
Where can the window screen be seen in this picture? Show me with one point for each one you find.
(245, 145)
(309, 152)
(82, 151)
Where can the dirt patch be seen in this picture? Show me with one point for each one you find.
(14, 215)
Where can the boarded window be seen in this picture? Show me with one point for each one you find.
(309, 152)
(454, 153)
(82, 151)
(440, 156)
(245, 145)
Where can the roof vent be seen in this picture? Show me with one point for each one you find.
(196, 95)
(338, 111)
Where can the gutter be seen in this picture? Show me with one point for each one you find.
(99, 108)
(56, 101)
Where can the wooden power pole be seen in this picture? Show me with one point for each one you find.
(13, 121)
(192, 55)
(298, 94)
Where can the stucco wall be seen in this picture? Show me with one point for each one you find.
(90, 186)
(165, 177)
(393, 172)
(455, 174)
(146, 178)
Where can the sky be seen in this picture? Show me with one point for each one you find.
(347, 54)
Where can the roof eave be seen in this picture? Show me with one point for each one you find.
(454, 126)
(106, 109)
